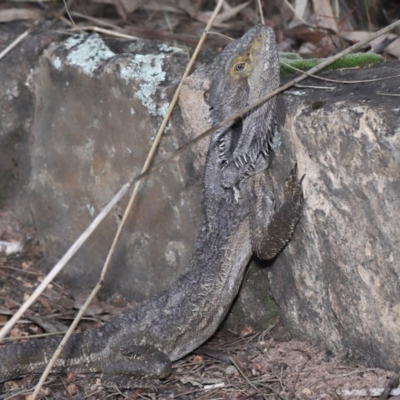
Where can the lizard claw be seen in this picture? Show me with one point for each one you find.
(293, 191)
(293, 171)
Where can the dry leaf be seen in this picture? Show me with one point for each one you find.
(72, 389)
(300, 6)
(153, 5)
(188, 7)
(224, 16)
(307, 392)
(246, 332)
(26, 265)
(211, 381)
(188, 379)
(324, 15)
(45, 303)
(257, 367)
(71, 376)
(16, 332)
(394, 48)
(132, 5)
(356, 36)
(45, 391)
(298, 13)
(306, 33)
(15, 14)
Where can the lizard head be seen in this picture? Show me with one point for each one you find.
(242, 66)
(248, 70)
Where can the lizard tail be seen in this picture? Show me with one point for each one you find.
(82, 353)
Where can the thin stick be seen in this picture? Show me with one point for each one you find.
(94, 28)
(19, 39)
(98, 21)
(146, 166)
(108, 32)
(260, 10)
(243, 375)
(68, 13)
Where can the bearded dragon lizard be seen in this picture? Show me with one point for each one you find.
(137, 349)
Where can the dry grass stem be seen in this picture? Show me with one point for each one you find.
(243, 375)
(68, 13)
(15, 42)
(146, 166)
(120, 35)
(94, 20)
(289, 5)
(260, 11)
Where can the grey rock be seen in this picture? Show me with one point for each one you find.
(16, 115)
(337, 282)
(99, 105)
(254, 307)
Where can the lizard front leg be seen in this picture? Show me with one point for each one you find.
(270, 229)
(138, 367)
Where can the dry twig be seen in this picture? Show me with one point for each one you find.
(129, 206)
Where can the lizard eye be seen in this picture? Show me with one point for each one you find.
(239, 67)
(206, 96)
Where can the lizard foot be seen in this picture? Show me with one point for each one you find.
(293, 191)
(138, 367)
(118, 381)
(271, 230)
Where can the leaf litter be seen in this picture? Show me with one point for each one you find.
(266, 365)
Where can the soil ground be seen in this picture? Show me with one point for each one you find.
(266, 365)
